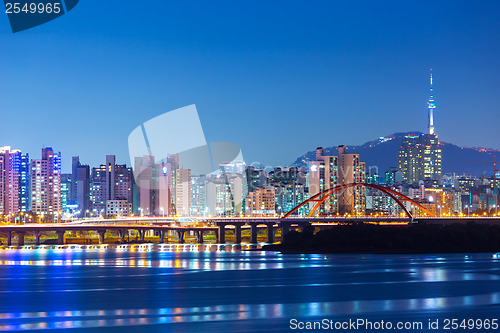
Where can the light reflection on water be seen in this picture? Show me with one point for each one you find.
(223, 285)
(131, 317)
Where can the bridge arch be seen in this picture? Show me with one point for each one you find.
(322, 196)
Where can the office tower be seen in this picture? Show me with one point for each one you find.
(420, 155)
(183, 192)
(260, 202)
(45, 180)
(323, 175)
(10, 161)
(289, 188)
(110, 181)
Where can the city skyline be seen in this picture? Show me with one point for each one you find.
(166, 185)
(249, 166)
(350, 66)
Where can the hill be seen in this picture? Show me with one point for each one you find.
(383, 154)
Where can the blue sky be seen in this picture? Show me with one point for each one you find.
(278, 78)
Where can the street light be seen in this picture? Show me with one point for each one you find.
(163, 212)
(86, 213)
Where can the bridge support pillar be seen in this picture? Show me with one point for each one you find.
(121, 234)
(161, 236)
(285, 228)
(270, 233)
(101, 236)
(237, 233)
(9, 238)
(142, 234)
(20, 238)
(200, 236)
(60, 237)
(253, 233)
(37, 237)
(180, 235)
(222, 233)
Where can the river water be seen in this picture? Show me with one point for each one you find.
(191, 288)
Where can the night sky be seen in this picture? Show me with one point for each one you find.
(278, 78)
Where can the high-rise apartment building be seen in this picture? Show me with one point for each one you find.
(24, 183)
(255, 178)
(225, 194)
(156, 185)
(82, 185)
(45, 180)
(79, 189)
(75, 162)
(183, 191)
(10, 161)
(290, 189)
(327, 172)
(323, 175)
(65, 191)
(260, 202)
(199, 196)
(393, 176)
(118, 208)
(110, 181)
(146, 184)
(420, 158)
(351, 170)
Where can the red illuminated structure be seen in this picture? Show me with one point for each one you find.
(320, 197)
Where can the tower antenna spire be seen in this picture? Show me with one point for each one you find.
(431, 105)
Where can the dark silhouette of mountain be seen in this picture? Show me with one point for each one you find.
(383, 154)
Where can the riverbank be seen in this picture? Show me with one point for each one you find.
(376, 239)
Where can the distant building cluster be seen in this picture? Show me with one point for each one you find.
(36, 190)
